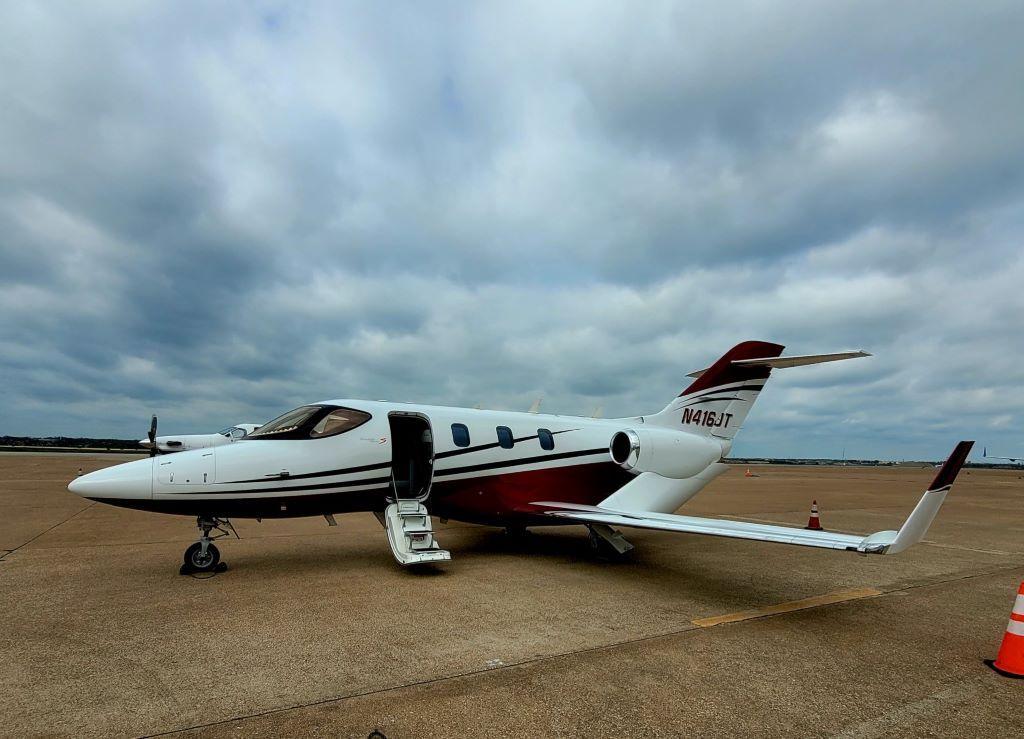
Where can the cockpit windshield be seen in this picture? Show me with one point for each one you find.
(227, 431)
(311, 421)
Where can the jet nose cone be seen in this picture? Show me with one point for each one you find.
(132, 480)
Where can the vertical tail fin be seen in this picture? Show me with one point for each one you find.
(721, 396)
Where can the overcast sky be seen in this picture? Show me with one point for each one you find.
(219, 211)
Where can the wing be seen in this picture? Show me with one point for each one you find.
(882, 542)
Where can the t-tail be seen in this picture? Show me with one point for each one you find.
(718, 400)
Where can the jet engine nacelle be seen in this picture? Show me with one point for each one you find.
(672, 454)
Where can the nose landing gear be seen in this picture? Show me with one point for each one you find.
(203, 556)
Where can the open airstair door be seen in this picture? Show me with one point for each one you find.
(406, 518)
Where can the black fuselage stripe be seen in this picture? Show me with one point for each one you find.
(722, 389)
(517, 462)
(437, 473)
(493, 445)
(710, 400)
(383, 465)
(367, 468)
(284, 489)
(325, 473)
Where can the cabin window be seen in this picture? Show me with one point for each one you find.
(460, 434)
(547, 440)
(505, 439)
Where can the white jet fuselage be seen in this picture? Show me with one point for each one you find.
(352, 471)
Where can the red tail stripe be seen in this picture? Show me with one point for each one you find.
(723, 371)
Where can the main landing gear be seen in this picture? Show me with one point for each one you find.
(203, 556)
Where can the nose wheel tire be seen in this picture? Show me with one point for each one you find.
(199, 562)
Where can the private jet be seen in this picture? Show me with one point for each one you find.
(187, 442)
(406, 463)
(1012, 460)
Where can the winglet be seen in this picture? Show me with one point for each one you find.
(916, 525)
(951, 467)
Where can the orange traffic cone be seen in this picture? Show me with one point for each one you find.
(814, 523)
(1010, 660)
(747, 473)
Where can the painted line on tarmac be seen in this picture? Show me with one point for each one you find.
(838, 596)
(41, 533)
(692, 628)
(969, 549)
(902, 718)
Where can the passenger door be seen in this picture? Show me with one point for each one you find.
(412, 455)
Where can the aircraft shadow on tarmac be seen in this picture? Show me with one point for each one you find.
(688, 574)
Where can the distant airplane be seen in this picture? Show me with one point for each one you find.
(406, 463)
(1011, 460)
(187, 442)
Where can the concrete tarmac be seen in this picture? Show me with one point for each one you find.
(316, 631)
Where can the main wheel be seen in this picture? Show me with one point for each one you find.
(194, 557)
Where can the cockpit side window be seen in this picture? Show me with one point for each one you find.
(338, 421)
(237, 433)
(281, 426)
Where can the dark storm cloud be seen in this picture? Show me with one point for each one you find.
(220, 211)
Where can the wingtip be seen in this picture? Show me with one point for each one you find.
(951, 467)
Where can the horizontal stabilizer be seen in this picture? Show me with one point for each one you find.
(882, 542)
(795, 361)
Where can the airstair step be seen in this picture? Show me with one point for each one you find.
(410, 533)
